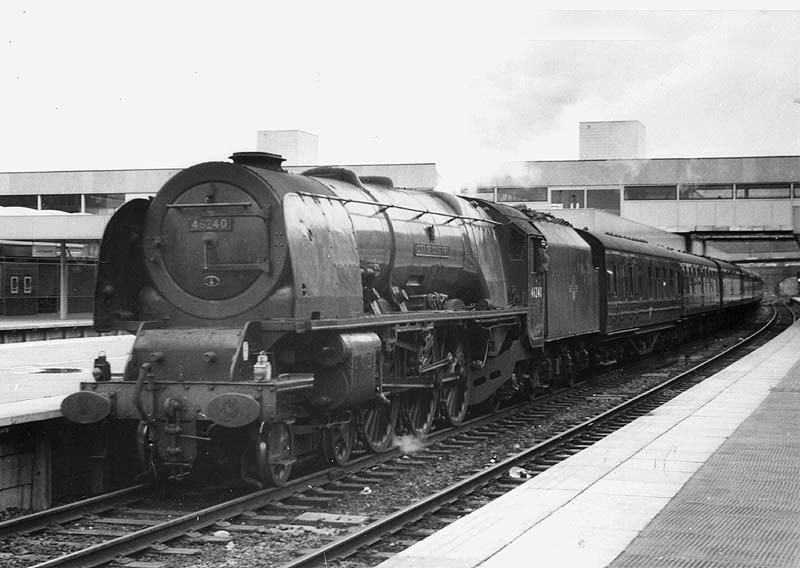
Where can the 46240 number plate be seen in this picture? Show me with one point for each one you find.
(211, 224)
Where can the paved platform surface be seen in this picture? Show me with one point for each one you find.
(44, 321)
(710, 479)
(36, 376)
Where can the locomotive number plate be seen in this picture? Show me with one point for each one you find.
(211, 224)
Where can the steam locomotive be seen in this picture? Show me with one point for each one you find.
(281, 316)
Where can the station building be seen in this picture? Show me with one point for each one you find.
(743, 209)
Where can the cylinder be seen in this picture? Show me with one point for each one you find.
(348, 369)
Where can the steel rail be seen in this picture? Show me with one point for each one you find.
(68, 512)
(375, 531)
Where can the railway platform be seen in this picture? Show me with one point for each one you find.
(710, 479)
(36, 376)
(43, 458)
(19, 329)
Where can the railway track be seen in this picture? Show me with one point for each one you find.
(372, 544)
(325, 514)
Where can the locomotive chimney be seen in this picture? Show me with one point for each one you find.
(264, 160)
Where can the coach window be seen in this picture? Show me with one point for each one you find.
(623, 280)
(659, 284)
(14, 284)
(670, 276)
(27, 285)
(657, 281)
(611, 278)
(631, 281)
(640, 281)
(668, 282)
(629, 284)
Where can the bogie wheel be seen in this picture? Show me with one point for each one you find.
(530, 383)
(455, 392)
(148, 454)
(420, 406)
(493, 403)
(274, 453)
(338, 439)
(378, 422)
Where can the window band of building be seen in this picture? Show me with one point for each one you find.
(93, 203)
(608, 198)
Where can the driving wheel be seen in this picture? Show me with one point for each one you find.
(454, 390)
(274, 453)
(338, 439)
(378, 422)
(420, 407)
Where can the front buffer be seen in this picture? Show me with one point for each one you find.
(241, 425)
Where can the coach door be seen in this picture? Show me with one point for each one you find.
(537, 267)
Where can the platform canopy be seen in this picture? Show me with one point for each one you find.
(28, 225)
(24, 224)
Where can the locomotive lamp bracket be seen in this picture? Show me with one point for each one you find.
(101, 370)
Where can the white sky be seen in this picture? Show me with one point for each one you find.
(94, 85)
